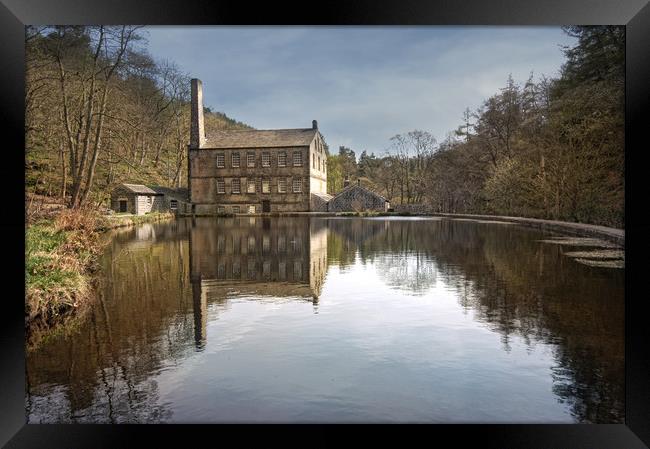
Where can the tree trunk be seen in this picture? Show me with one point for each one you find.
(96, 148)
(64, 178)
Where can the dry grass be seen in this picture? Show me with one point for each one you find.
(60, 255)
(117, 221)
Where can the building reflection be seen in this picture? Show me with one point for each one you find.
(254, 257)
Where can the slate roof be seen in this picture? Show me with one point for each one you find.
(324, 196)
(260, 138)
(358, 186)
(181, 194)
(139, 188)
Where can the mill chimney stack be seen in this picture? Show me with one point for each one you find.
(314, 124)
(197, 129)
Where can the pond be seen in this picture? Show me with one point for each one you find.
(314, 319)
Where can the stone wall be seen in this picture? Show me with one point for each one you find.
(121, 193)
(204, 174)
(318, 202)
(415, 209)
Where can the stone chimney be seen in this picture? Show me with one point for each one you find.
(346, 182)
(314, 124)
(197, 130)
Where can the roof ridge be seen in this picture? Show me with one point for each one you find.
(257, 130)
(351, 185)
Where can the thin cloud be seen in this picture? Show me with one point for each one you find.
(362, 84)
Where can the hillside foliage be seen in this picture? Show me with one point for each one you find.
(100, 111)
(551, 148)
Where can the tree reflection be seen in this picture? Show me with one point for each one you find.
(165, 283)
(516, 286)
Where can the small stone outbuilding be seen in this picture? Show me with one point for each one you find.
(139, 199)
(356, 198)
(136, 199)
(173, 200)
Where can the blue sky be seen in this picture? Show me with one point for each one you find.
(362, 84)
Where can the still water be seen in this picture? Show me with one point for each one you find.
(257, 319)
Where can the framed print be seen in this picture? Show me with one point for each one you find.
(386, 213)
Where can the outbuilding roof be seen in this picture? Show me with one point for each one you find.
(358, 186)
(139, 188)
(260, 138)
(181, 194)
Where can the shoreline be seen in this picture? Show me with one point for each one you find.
(58, 296)
(61, 266)
(614, 235)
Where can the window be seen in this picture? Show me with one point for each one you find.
(235, 209)
(266, 243)
(221, 210)
(282, 185)
(251, 243)
(251, 186)
(250, 159)
(221, 186)
(266, 186)
(251, 209)
(313, 161)
(236, 269)
(266, 159)
(236, 185)
(282, 159)
(297, 185)
(234, 160)
(297, 159)
(221, 160)
(149, 200)
(173, 204)
(319, 166)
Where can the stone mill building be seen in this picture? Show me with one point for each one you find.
(253, 171)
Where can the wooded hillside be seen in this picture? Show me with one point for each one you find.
(100, 111)
(550, 149)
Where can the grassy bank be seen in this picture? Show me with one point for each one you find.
(118, 220)
(61, 257)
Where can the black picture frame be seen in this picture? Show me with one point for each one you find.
(634, 14)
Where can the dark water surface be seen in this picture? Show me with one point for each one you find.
(338, 320)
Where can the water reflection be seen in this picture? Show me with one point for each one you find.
(174, 292)
(254, 257)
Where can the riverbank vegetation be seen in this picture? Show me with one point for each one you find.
(61, 258)
(550, 149)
